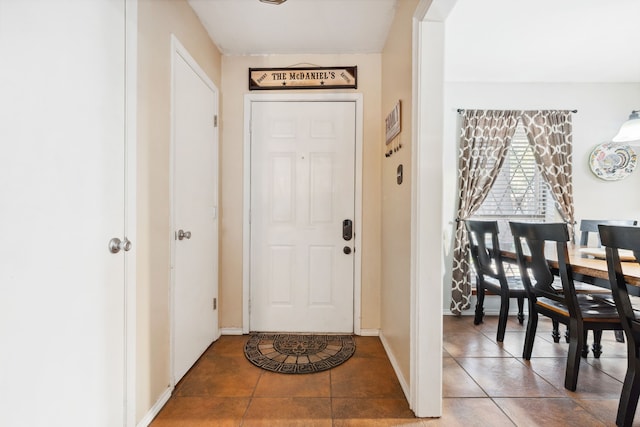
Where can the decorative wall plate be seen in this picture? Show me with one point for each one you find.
(612, 161)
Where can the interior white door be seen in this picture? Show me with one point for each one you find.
(302, 192)
(62, 159)
(195, 199)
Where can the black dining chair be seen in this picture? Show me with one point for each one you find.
(580, 312)
(490, 274)
(616, 238)
(590, 227)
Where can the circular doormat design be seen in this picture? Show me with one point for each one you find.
(298, 353)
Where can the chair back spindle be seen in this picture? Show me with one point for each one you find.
(486, 259)
(532, 259)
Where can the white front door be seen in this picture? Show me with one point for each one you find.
(195, 216)
(62, 192)
(302, 200)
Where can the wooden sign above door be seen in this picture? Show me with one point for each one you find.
(303, 78)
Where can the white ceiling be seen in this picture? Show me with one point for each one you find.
(486, 40)
(245, 27)
(543, 40)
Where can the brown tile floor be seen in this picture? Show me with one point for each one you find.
(484, 384)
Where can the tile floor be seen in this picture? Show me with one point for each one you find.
(484, 384)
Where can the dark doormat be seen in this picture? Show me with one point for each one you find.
(298, 353)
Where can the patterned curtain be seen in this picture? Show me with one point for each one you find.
(550, 134)
(484, 141)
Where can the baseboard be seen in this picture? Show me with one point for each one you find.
(396, 368)
(155, 409)
(238, 331)
(487, 312)
(231, 331)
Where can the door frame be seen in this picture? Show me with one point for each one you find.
(177, 49)
(428, 34)
(249, 99)
(130, 224)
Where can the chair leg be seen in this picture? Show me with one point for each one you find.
(503, 317)
(555, 333)
(532, 325)
(596, 347)
(585, 345)
(479, 304)
(576, 344)
(619, 336)
(521, 310)
(630, 393)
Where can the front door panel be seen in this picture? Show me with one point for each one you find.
(302, 190)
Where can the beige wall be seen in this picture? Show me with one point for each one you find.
(158, 19)
(234, 87)
(396, 199)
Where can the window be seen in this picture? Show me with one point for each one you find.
(519, 192)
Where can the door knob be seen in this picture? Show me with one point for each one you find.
(116, 245)
(184, 234)
(346, 250)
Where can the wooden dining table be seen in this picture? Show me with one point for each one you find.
(586, 268)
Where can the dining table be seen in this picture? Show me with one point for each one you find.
(589, 265)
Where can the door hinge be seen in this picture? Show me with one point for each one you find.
(215, 303)
(215, 121)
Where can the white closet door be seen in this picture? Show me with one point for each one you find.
(195, 200)
(62, 184)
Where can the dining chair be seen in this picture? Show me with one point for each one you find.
(588, 226)
(490, 274)
(580, 312)
(615, 239)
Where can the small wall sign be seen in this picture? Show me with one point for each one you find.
(303, 78)
(392, 123)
